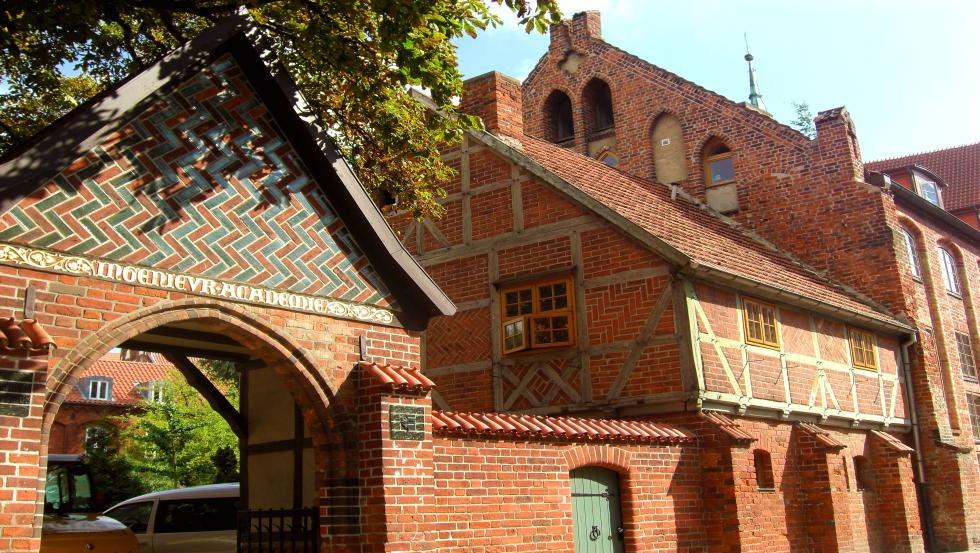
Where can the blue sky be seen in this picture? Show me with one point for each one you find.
(908, 72)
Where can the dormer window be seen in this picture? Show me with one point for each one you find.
(930, 191)
(558, 109)
(152, 391)
(98, 388)
(609, 159)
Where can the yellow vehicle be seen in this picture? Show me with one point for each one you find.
(72, 523)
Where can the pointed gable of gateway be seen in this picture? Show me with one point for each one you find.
(206, 166)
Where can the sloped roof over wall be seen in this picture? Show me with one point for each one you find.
(29, 167)
(686, 232)
(959, 167)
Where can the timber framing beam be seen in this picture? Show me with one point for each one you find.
(214, 397)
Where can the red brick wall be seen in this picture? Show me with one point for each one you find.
(941, 390)
(509, 496)
(789, 187)
(87, 317)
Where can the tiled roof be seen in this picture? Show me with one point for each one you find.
(959, 167)
(27, 338)
(690, 228)
(727, 426)
(821, 435)
(398, 377)
(892, 442)
(125, 375)
(568, 428)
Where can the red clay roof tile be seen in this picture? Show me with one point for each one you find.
(727, 426)
(959, 167)
(575, 429)
(690, 228)
(892, 441)
(27, 337)
(397, 376)
(822, 436)
(125, 375)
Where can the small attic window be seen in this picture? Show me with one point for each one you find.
(598, 104)
(718, 167)
(558, 110)
(930, 191)
(98, 388)
(609, 159)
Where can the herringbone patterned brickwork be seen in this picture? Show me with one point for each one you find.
(202, 183)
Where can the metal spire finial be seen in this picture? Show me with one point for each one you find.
(755, 98)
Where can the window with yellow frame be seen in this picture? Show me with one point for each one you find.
(863, 354)
(537, 315)
(759, 319)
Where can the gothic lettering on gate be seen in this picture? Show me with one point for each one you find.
(155, 278)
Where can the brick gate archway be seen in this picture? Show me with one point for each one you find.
(330, 428)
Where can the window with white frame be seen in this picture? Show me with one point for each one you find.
(948, 262)
(99, 389)
(930, 191)
(912, 253)
(152, 391)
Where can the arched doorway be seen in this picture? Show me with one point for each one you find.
(293, 441)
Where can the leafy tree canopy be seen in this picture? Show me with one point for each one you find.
(180, 441)
(354, 60)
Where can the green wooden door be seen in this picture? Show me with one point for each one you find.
(596, 511)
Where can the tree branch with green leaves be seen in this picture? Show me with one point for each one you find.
(355, 61)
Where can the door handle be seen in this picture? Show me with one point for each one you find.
(594, 534)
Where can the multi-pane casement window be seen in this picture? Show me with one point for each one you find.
(968, 364)
(912, 253)
(99, 388)
(537, 315)
(863, 354)
(948, 263)
(760, 323)
(973, 405)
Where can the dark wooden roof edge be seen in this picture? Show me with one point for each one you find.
(74, 134)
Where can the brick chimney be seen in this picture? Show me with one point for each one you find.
(837, 140)
(575, 33)
(496, 99)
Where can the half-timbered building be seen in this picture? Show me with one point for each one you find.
(624, 244)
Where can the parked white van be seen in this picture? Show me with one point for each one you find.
(201, 519)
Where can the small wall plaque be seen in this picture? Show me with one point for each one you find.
(407, 422)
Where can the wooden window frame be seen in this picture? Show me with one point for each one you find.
(973, 409)
(853, 333)
(528, 339)
(964, 349)
(746, 324)
(708, 159)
